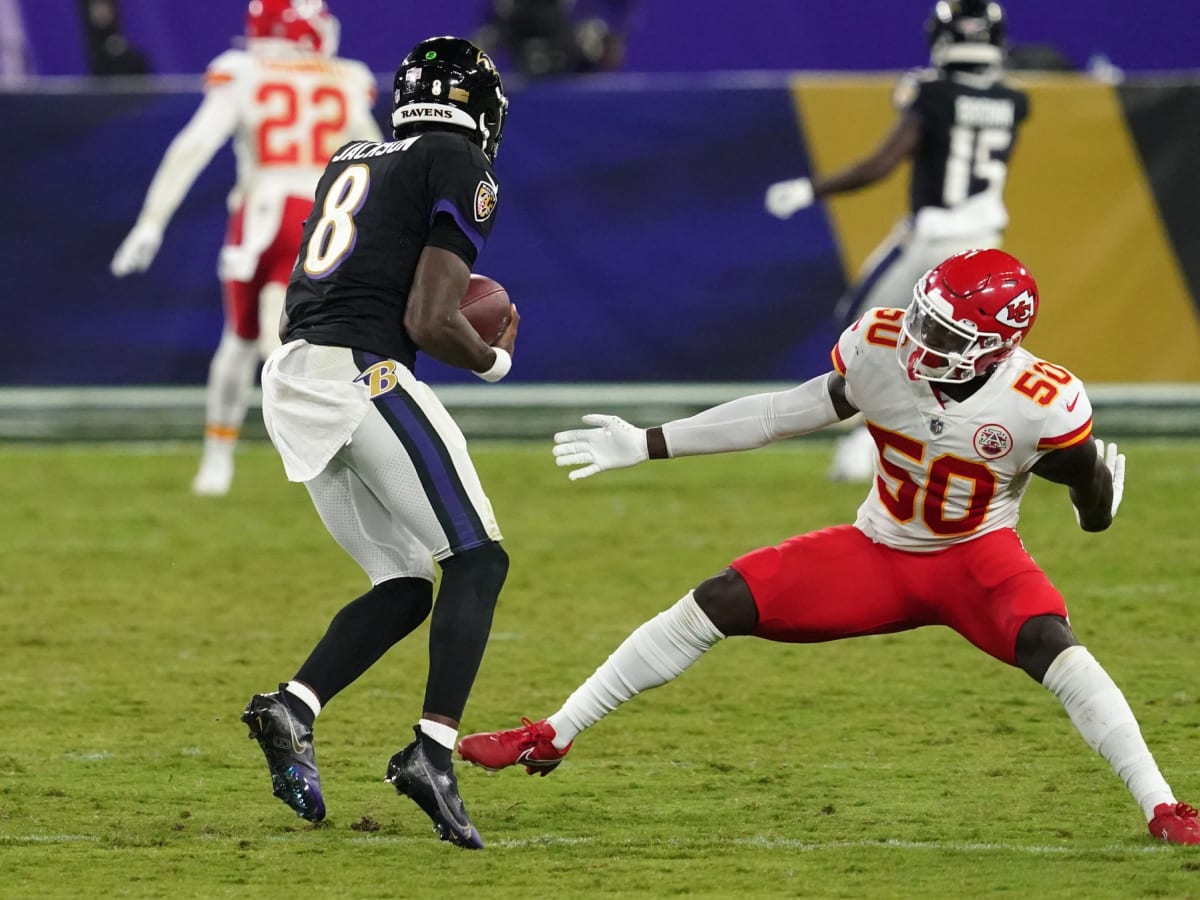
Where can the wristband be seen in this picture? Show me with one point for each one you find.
(499, 368)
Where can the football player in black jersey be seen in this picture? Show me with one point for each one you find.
(957, 123)
(387, 253)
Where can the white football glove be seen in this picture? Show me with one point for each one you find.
(1115, 463)
(612, 444)
(137, 251)
(786, 197)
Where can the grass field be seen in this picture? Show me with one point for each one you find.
(138, 620)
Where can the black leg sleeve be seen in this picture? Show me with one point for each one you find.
(461, 623)
(363, 631)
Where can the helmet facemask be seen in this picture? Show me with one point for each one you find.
(935, 346)
(329, 30)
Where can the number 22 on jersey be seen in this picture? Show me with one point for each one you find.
(333, 235)
(283, 138)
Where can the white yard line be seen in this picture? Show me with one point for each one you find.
(796, 845)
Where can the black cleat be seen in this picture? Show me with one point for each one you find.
(434, 790)
(288, 746)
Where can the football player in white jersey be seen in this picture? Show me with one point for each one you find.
(957, 123)
(288, 102)
(961, 416)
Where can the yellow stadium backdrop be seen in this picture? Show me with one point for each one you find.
(1115, 305)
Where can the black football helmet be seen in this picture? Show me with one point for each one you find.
(449, 81)
(966, 33)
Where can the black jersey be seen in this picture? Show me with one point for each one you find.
(969, 125)
(377, 206)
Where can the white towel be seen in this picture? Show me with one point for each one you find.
(982, 213)
(309, 419)
(262, 213)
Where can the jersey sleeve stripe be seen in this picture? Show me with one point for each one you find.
(214, 78)
(1070, 439)
(446, 206)
(838, 363)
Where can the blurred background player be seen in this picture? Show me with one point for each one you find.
(957, 123)
(109, 51)
(540, 38)
(288, 102)
(385, 261)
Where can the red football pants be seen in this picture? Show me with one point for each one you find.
(837, 583)
(275, 265)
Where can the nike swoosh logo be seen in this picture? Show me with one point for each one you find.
(1071, 405)
(446, 811)
(526, 758)
(297, 745)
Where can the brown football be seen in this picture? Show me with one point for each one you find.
(487, 307)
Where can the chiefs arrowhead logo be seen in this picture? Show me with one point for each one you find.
(1019, 311)
(993, 441)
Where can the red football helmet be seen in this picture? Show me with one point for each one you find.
(967, 314)
(306, 22)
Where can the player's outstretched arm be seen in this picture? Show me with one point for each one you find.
(612, 443)
(188, 154)
(741, 424)
(1094, 473)
(897, 145)
(783, 198)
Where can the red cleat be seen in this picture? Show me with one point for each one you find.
(530, 746)
(1176, 823)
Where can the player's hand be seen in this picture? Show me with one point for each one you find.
(786, 197)
(612, 444)
(508, 337)
(137, 251)
(1115, 463)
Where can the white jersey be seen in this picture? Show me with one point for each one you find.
(287, 110)
(947, 472)
(290, 112)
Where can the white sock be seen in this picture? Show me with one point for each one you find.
(219, 443)
(305, 694)
(230, 383)
(443, 734)
(1103, 717)
(655, 653)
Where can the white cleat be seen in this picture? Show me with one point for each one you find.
(214, 478)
